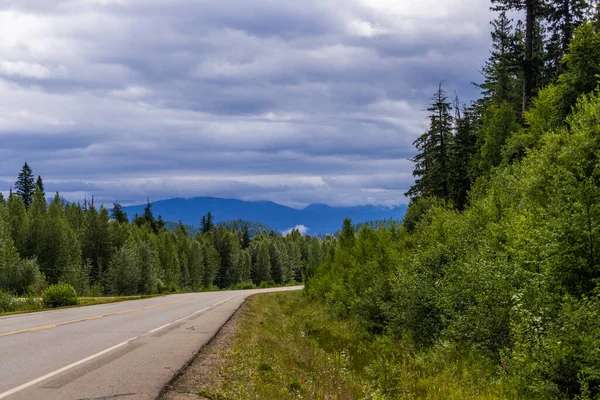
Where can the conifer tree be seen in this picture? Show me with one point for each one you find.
(25, 185)
(2, 200)
(39, 183)
(347, 236)
(95, 241)
(118, 214)
(276, 262)
(503, 70)
(229, 249)
(432, 161)
(564, 17)
(207, 224)
(37, 220)
(463, 154)
(263, 264)
(245, 238)
(534, 12)
(18, 223)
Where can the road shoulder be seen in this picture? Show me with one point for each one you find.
(201, 372)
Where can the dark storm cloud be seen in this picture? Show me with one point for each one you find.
(296, 102)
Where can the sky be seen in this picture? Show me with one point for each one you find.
(295, 101)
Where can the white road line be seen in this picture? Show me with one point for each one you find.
(59, 371)
(100, 354)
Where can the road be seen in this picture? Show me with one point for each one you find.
(127, 350)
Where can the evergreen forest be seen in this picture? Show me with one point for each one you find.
(99, 252)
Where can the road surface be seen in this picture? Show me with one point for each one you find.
(121, 351)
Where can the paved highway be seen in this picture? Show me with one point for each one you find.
(127, 350)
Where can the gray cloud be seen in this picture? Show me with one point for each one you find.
(296, 102)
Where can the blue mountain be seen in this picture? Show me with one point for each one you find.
(318, 218)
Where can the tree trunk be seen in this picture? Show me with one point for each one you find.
(528, 67)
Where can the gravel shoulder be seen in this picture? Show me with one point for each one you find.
(202, 372)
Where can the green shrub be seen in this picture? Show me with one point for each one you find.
(243, 286)
(7, 303)
(60, 295)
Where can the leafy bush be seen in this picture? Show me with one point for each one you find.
(7, 303)
(60, 295)
(243, 286)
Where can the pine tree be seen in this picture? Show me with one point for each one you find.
(39, 183)
(245, 238)
(564, 17)
(503, 71)
(534, 13)
(2, 200)
(263, 264)
(95, 241)
(347, 236)
(276, 262)
(207, 224)
(431, 163)
(18, 222)
(25, 185)
(118, 214)
(463, 154)
(229, 250)
(37, 221)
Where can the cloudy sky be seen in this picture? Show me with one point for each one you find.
(294, 101)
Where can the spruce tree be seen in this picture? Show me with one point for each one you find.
(503, 71)
(118, 214)
(39, 183)
(463, 154)
(534, 12)
(263, 264)
(207, 224)
(347, 236)
(564, 17)
(37, 222)
(245, 238)
(25, 185)
(18, 221)
(432, 161)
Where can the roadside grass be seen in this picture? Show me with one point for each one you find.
(33, 304)
(288, 346)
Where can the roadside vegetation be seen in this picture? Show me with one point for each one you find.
(493, 278)
(287, 346)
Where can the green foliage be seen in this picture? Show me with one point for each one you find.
(498, 124)
(82, 246)
(513, 278)
(60, 295)
(433, 157)
(25, 185)
(124, 270)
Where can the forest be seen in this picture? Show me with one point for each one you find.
(99, 252)
(496, 264)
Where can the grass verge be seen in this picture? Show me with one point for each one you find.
(33, 304)
(286, 346)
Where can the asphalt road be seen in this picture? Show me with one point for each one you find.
(127, 350)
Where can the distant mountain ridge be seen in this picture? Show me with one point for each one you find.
(254, 228)
(318, 218)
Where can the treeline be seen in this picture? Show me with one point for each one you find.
(498, 259)
(100, 252)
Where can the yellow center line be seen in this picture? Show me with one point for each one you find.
(50, 326)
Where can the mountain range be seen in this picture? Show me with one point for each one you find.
(314, 219)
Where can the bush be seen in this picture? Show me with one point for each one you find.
(7, 303)
(60, 295)
(243, 286)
